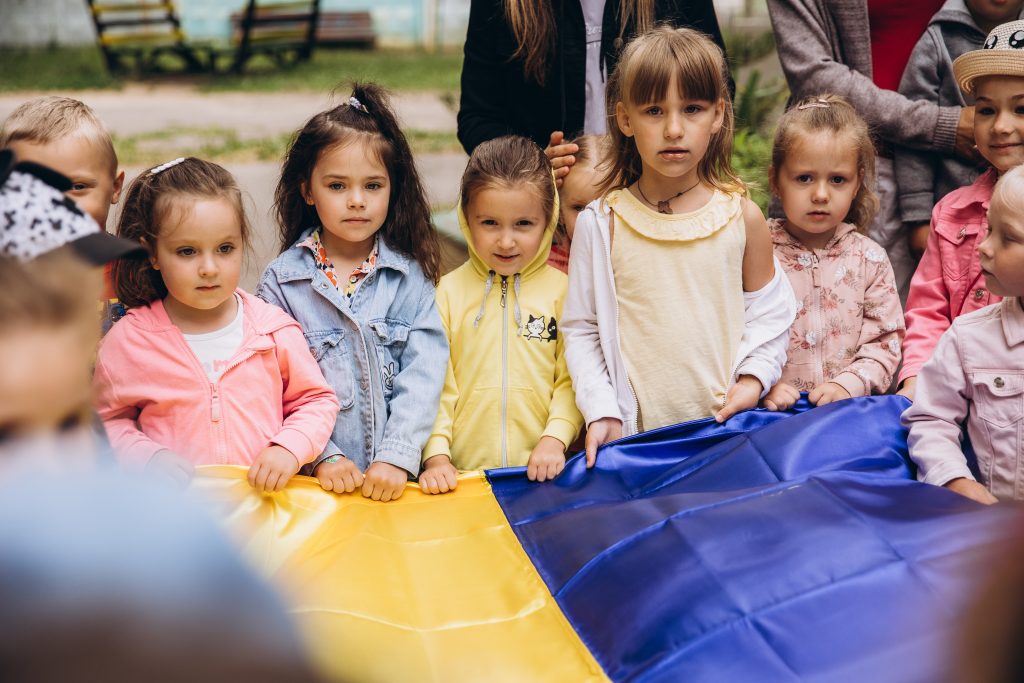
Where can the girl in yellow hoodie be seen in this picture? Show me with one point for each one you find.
(508, 398)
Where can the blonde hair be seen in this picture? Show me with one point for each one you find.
(46, 119)
(47, 292)
(645, 73)
(535, 32)
(594, 151)
(1009, 189)
(506, 162)
(832, 114)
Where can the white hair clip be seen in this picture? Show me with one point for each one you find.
(815, 104)
(356, 104)
(163, 167)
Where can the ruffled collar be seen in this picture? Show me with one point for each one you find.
(718, 212)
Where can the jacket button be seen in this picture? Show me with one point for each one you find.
(998, 381)
(979, 294)
(963, 233)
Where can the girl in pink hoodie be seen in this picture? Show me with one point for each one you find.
(199, 372)
(845, 341)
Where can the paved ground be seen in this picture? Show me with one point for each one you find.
(139, 109)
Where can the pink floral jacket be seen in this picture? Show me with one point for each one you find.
(948, 281)
(849, 324)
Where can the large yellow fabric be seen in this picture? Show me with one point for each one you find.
(679, 285)
(507, 383)
(425, 588)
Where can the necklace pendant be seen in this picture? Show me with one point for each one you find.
(663, 206)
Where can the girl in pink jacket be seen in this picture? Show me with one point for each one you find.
(949, 280)
(199, 372)
(845, 341)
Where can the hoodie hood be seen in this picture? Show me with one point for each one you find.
(956, 12)
(539, 259)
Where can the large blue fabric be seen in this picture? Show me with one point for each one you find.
(776, 547)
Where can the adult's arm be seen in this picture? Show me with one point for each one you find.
(482, 105)
(803, 40)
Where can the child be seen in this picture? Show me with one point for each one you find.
(508, 399)
(198, 371)
(579, 188)
(948, 282)
(924, 178)
(849, 324)
(65, 134)
(359, 262)
(976, 372)
(675, 309)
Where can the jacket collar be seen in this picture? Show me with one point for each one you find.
(256, 314)
(1013, 320)
(978, 192)
(781, 236)
(299, 264)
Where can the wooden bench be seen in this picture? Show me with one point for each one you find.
(141, 31)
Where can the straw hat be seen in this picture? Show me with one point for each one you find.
(1002, 55)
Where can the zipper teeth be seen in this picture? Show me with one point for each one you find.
(818, 331)
(504, 372)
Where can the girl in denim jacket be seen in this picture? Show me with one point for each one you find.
(359, 261)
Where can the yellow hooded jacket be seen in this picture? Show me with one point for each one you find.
(507, 382)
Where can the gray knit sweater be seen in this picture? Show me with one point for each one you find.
(825, 46)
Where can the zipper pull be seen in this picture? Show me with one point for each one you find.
(215, 404)
(816, 275)
(504, 289)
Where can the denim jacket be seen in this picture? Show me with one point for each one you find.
(384, 351)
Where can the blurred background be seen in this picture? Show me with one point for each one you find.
(187, 78)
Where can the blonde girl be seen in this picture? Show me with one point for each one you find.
(579, 187)
(200, 372)
(849, 324)
(675, 308)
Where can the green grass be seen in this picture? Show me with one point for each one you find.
(79, 68)
(225, 145)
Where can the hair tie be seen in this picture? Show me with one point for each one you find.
(163, 167)
(815, 104)
(356, 104)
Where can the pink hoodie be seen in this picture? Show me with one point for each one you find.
(152, 392)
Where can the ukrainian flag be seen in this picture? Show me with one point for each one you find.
(776, 547)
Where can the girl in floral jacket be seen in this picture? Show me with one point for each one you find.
(846, 339)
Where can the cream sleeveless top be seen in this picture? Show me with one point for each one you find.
(679, 284)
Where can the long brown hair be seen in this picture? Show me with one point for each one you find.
(645, 73)
(407, 227)
(506, 162)
(535, 31)
(147, 205)
(833, 114)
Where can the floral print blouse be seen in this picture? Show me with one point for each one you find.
(849, 324)
(323, 262)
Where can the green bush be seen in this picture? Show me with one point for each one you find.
(751, 154)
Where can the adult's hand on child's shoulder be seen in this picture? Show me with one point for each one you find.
(781, 397)
(964, 145)
(547, 459)
(341, 475)
(743, 395)
(826, 393)
(439, 475)
(908, 388)
(600, 432)
(384, 482)
(560, 154)
(968, 488)
(171, 465)
(273, 468)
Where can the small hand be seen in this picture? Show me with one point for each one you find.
(743, 395)
(439, 475)
(169, 464)
(384, 482)
(968, 488)
(908, 387)
(826, 393)
(341, 475)
(560, 154)
(782, 397)
(547, 459)
(600, 432)
(272, 469)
